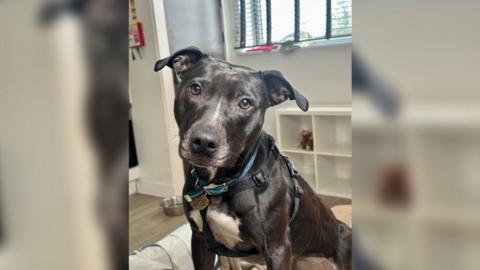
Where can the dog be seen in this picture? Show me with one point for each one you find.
(241, 196)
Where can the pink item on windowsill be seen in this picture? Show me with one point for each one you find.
(263, 48)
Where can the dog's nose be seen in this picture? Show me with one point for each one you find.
(204, 142)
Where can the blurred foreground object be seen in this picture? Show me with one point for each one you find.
(58, 80)
(1, 221)
(417, 188)
(364, 81)
(53, 9)
(106, 26)
(394, 186)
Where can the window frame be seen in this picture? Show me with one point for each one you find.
(327, 40)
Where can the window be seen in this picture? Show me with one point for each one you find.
(266, 22)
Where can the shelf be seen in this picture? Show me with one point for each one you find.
(333, 175)
(327, 168)
(326, 109)
(305, 165)
(298, 151)
(294, 124)
(333, 153)
(333, 135)
(335, 194)
(336, 152)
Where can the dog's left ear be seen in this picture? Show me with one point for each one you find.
(279, 90)
(181, 60)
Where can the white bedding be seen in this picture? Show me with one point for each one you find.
(172, 252)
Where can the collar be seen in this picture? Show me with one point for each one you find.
(207, 187)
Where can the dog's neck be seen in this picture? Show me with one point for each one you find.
(220, 175)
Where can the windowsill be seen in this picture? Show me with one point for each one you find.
(331, 42)
(322, 43)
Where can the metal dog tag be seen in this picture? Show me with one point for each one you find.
(200, 203)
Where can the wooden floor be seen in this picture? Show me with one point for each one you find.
(148, 224)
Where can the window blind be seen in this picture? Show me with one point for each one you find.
(265, 22)
(341, 18)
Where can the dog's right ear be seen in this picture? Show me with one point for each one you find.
(280, 89)
(181, 60)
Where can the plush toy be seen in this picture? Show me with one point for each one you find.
(306, 140)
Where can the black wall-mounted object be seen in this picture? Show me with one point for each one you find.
(132, 149)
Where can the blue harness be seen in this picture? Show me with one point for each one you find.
(258, 180)
(207, 187)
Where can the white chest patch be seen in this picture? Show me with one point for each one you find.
(225, 228)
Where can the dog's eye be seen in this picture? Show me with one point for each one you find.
(245, 103)
(195, 89)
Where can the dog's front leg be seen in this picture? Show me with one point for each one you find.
(278, 254)
(203, 259)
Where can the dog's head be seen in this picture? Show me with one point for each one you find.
(220, 107)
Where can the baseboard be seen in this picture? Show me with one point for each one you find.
(155, 189)
(132, 187)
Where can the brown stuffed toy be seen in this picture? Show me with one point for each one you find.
(306, 140)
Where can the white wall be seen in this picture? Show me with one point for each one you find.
(48, 183)
(148, 113)
(322, 74)
(426, 56)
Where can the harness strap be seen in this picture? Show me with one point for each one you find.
(297, 195)
(257, 180)
(297, 191)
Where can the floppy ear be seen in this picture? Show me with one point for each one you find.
(181, 60)
(279, 90)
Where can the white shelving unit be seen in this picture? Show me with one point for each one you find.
(328, 167)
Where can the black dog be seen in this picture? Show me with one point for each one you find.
(255, 205)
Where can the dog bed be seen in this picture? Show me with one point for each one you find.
(173, 251)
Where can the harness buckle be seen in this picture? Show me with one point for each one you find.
(213, 189)
(194, 173)
(259, 179)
